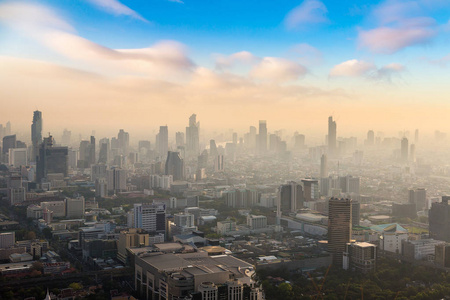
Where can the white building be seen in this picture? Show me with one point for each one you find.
(184, 219)
(150, 217)
(224, 227)
(256, 222)
(391, 237)
(18, 157)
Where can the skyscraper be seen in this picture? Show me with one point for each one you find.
(290, 197)
(324, 166)
(36, 134)
(163, 141)
(404, 150)
(332, 149)
(9, 142)
(123, 140)
(179, 139)
(419, 198)
(370, 138)
(439, 219)
(51, 160)
(262, 138)
(175, 165)
(339, 228)
(192, 137)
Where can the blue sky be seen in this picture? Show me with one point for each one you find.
(310, 54)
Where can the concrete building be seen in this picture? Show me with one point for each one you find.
(290, 197)
(117, 180)
(256, 222)
(7, 239)
(439, 220)
(420, 249)
(75, 207)
(57, 207)
(208, 291)
(339, 228)
(224, 227)
(360, 257)
(18, 157)
(150, 217)
(418, 197)
(176, 276)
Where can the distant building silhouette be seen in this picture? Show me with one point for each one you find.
(175, 165)
(339, 228)
(36, 134)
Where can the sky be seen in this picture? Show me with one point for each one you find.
(137, 64)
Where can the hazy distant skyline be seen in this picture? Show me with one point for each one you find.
(103, 65)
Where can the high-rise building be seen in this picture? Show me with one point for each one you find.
(123, 140)
(51, 160)
(360, 257)
(66, 136)
(36, 134)
(323, 166)
(412, 153)
(262, 138)
(175, 165)
(310, 189)
(117, 180)
(92, 151)
(179, 139)
(212, 148)
(150, 217)
(103, 157)
(404, 150)
(356, 208)
(290, 197)
(7, 240)
(192, 137)
(416, 136)
(439, 220)
(9, 142)
(370, 138)
(98, 171)
(332, 138)
(218, 163)
(339, 228)
(163, 141)
(419, 198)
(18, 157)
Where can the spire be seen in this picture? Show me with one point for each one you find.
(47, 297)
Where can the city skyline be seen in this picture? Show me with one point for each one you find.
(139, 65)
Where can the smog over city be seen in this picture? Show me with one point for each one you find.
(240, 150)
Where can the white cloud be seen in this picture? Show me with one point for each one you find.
(367, 70)
(309, 12)
(117, 8)
(166, 57)
(306, 54)
(278, 70)
(401, 24)
(227, 61)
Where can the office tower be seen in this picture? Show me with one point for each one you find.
(416, 136)
(8, 128)
(92, 151)
(123, 141)
(192, 137)
(310, 189)
(51, 160)
(66, 136)
(18, 157)
(360, 257)
(339, 228)
(290, 197)
(75, 207)
(356, 208)
(404, 150)
(175, 165)
(252, 137)
(98, 171)
(218, 163)
(419, 198)
(36, 134)
(131, 238)
(332, 146)
(235, 138)
(261, 143)
(9, 142)
(370, 138)
(103, 154)
(163, 141)
(203, 160)
(212, 148)
(84, 154)
(151, 217)
(179, 139)
(323, 166)
(439, 220)
(117, 180)
(299, 141)
(412, 153)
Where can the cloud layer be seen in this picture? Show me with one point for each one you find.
(309, 12)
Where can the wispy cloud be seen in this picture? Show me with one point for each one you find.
(47, 28)
(228, 61)
(278, 70)
(401, 24)
(309, 12)
(367, 70)
(117, 8)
